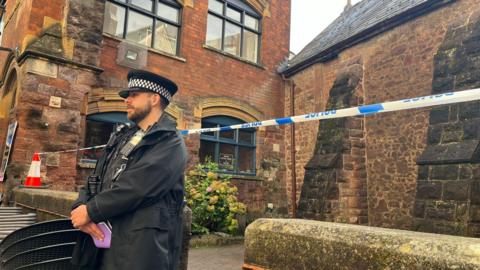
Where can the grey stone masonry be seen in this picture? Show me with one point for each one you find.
(449, 174)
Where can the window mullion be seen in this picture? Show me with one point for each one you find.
(127, 11)
(235, 169)
(223, 27)
(242, 30)
(154, 30)
(217, 152)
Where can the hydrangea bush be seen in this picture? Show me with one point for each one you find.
(213, 200)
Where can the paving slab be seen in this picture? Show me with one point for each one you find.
(216, 258)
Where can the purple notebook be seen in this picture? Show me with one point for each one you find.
(107, 233)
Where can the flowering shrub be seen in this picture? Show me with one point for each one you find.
(213, 200)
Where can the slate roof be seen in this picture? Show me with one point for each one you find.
(358, 23)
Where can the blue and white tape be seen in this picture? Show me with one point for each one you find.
(399, 105)
(392, 106)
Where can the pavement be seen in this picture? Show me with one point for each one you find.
(216, 258)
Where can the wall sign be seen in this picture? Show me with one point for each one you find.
(8, 146)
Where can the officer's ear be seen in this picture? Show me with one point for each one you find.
(156, 99)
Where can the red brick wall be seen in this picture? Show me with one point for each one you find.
(397, 64)
(206, 73)
(203, 74)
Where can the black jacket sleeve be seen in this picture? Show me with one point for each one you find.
(82, 198)
(152, 176)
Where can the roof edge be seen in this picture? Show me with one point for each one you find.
(333, 51)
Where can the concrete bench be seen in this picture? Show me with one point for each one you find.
(304, 244)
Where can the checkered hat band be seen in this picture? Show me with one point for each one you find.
(154, 87)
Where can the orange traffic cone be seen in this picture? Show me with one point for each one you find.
(33, 177)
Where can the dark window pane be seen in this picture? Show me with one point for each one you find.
(226, 158)
(114, 20)
(214, 32)
(229, 134)
(139, 28)
(245, 136)
(168, 12)
(250, 46)
(233, 14)
(145, 4)
(209, 125)
(207, 151)
(97, 133)
(166, 37)
(232, 39)
(245, 159)
(215, 6)
(251, 22)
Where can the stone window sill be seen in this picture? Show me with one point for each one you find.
(233, 56)
(246, 177)
(150, 49)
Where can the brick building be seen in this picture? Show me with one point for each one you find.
(63, 62)
(415, 169)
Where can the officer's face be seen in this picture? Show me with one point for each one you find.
(139, 105)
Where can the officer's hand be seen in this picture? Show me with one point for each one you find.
(92, 229)
(79, 216)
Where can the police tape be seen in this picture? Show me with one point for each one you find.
(392, 106)
(74, 150)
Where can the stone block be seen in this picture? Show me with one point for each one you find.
(475, 213)
(445, 172)
(466, 172)
(461, 152)
(419, 209)
(471, 129)
(434, 134)
(469, 110)
(306, 244)
(53, 159)
(475, 192)
(429, 190)
(423, 172)
(441, 210)
(41, 67)
(456, 190)
(439, 115)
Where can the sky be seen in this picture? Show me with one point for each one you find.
(310, 17)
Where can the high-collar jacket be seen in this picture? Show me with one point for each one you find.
(144, 201)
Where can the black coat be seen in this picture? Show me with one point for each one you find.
(144, 203)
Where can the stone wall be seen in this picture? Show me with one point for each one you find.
(401, 63)
(334, 188)
(448, 178)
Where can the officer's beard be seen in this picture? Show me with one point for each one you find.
(139, 114)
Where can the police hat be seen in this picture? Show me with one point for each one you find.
(141, 80)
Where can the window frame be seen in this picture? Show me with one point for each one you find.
(229, 4)
(234, 142)
(127, 5)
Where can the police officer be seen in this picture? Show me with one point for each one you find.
(140, 186)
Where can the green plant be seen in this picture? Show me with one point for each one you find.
(213, 200)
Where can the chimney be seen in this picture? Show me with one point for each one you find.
(348, 6)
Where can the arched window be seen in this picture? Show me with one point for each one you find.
(153, 23)
(234, 27)
(99, 126)
(233, 150)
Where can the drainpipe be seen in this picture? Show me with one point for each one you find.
(292, 152)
